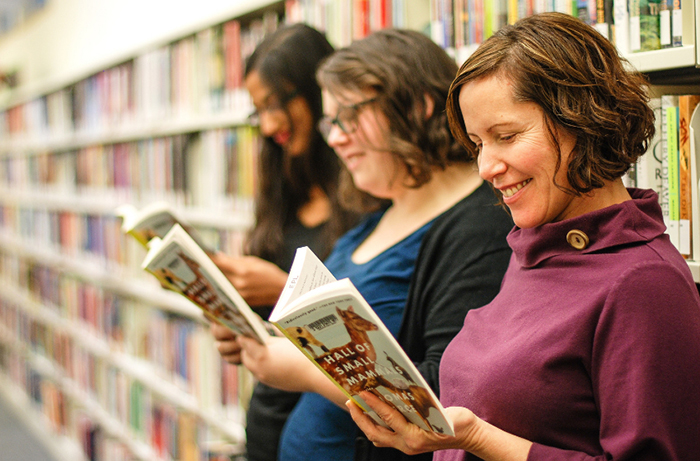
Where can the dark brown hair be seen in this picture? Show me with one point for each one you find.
(403, 67)
(286, 61)
(576, 76)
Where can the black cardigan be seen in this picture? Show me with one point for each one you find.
(460, 265)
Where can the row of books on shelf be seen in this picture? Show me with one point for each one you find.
(213, 169)
(135, 405)
(670, 167)
(179, 350)
(95, 238)
(152, 429)
(90, 239)
(38, 397)
(198, 74)
(203, 73)
(633, 25)
(347, 20)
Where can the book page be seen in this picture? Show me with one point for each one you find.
(181, 266)
(156, 225)
(155, 220)
(307, 273)
(336, 328)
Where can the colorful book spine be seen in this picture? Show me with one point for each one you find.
(686, 106)
(666, 102)
(670, 112)
(649, 24)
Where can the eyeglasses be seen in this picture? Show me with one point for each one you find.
(276, 105)
(346, 119)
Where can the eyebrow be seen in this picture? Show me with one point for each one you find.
(267, 97)
(492, 128)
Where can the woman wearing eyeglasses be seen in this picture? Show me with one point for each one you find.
(433, 244)
(295, 205)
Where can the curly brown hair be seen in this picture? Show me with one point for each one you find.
(581, 83)
(403, 67)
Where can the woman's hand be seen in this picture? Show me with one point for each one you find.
(277, 363)
(280, 364)
(403, 435)
(471, 433)
(226, 343)
(258, 281)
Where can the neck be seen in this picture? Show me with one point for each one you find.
(413, 208)
(611, 193)
(445, 188)
(317, 210)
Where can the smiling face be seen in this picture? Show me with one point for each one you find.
(517, 154)
(289, 124)
(374, 170)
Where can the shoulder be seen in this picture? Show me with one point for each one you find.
(653, 276)
(478, 217)
(469, 238)
(651, 293)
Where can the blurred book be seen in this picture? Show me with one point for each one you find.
(180, 265)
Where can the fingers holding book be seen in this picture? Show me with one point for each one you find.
(226, 343)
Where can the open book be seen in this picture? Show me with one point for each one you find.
(154, 220)
(332, 324)
(182, 266)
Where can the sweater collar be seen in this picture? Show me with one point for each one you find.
(633, 221)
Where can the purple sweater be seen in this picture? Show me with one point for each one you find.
(589, 353)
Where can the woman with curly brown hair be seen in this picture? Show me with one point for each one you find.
(591, 350)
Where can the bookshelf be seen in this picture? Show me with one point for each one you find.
(106, 364)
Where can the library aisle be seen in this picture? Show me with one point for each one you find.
(17, 441)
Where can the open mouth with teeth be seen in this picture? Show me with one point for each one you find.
(512, 190)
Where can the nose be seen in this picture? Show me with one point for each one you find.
(268, 123)
(490, 163)
(336, 136)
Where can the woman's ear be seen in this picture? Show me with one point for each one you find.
(429, 105)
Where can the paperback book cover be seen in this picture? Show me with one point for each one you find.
(334, 326)
(154, 220)
(183, 267)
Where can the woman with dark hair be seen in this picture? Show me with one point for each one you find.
(295, 205)
(384, 100)
(591, 349)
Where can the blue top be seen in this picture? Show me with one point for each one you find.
(318, 429)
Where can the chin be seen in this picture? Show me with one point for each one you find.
(525, 222)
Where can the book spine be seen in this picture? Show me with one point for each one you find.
(635, 32)
(512, 11)
(671, 112)
(686, 106)
(665, 35)
(649, 25)
(602, 19)
(677, 23)
(648, 165)
(693, 132)
(360, 19)
(664, 184)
